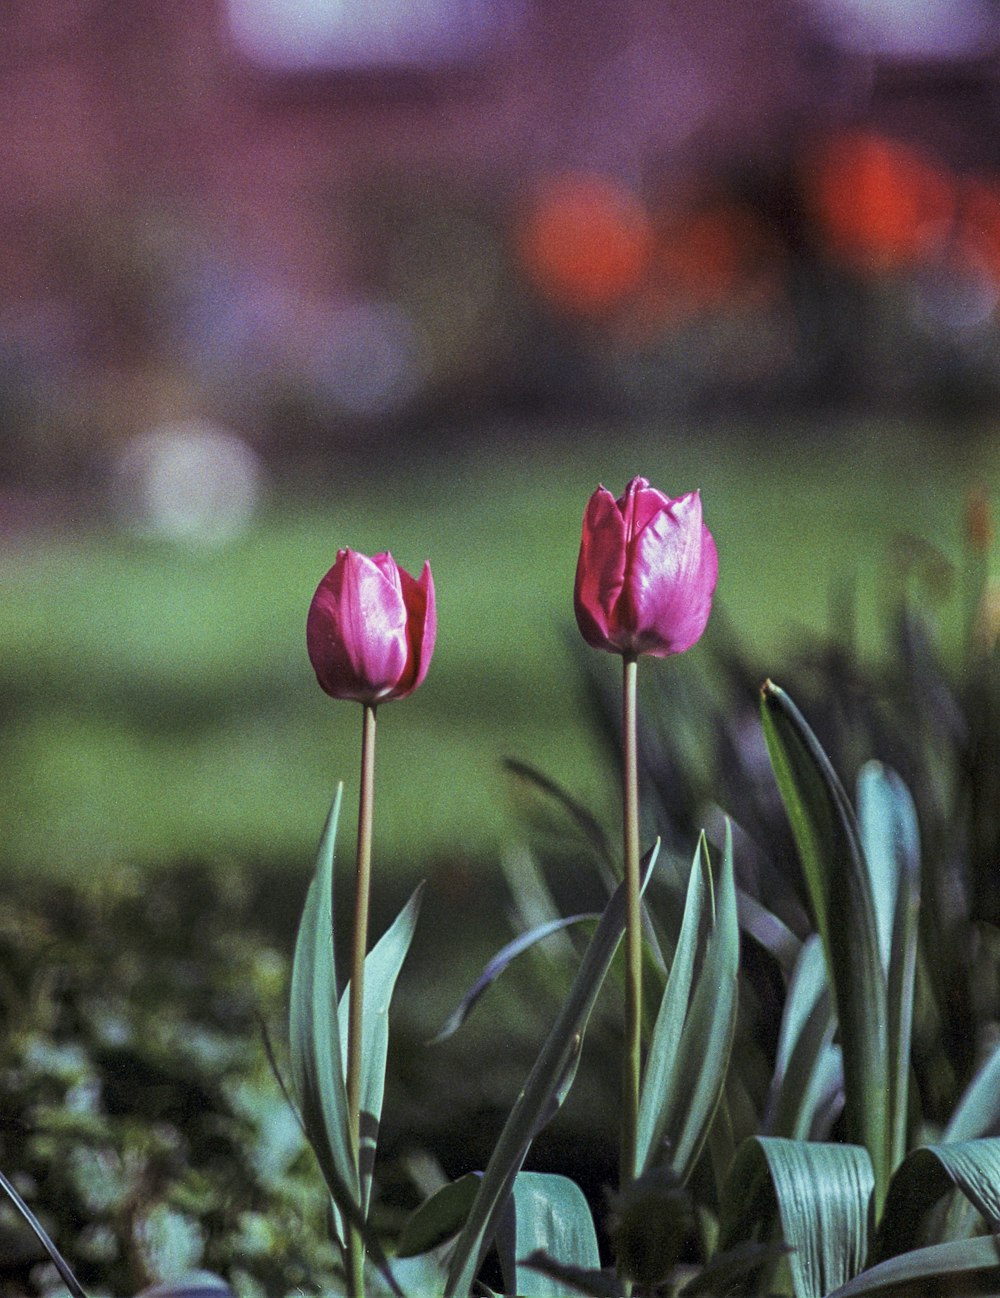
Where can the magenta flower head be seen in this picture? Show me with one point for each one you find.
(371, 628)
(646, 572)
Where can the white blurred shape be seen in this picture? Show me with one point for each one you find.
(912, 28)
(290, 34)
(956, 297)
(368, 359)
(189, 481)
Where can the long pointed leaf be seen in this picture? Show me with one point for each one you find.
(498, 964)
(548, 1213)
(316, 1063)
(800, 1067)
(836, 874)
(440, 1217)
(382, 965)
(978, 1111)
(543, 1088)
(962, 1267)
(689, 1051)
(887, 820)
(927, 1176)
(42, 1235)
(816, 1198)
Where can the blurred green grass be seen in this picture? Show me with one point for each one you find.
(159, 705)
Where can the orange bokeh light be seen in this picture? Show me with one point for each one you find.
(879, 205)
(710, 258)
(584, 242)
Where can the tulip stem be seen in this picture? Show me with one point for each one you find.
(355, 1013)
(633, 926)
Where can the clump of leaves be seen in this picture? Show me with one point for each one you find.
(139, 1117)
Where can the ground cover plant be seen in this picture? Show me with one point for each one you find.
(743, 1056)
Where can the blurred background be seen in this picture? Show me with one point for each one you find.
(279, 276)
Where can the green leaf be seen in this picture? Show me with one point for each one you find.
(382, 965)
(689, 1051)
(439, 1217)
(887, 820)
(926, 1177)
(545, 1213)
(804, 1057)
(816, 1198)
(839, 887)
(962, 1267)
(543, 1090)
(316, 1063)
(498, 964)
(42, 1235)
(978, 1111)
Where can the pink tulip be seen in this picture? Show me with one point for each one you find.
(371, 628)
(646, 572)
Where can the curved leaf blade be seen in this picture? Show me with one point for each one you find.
(802, 1062)
(814, 1197)
(890, 836)
(962, 1267)
(978, 1111)
(41, 1234)
(316, 1062)
(498, 964)
(382, 965)
(925, 1177)
(438, 1218)
(545, 1213)
(828, 839)
(542, 1092)
(692, 1038)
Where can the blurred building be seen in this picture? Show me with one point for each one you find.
(200, 196)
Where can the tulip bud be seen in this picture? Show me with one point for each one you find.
(646, 572)
(371, 628)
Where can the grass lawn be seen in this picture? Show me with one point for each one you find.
(159, 705)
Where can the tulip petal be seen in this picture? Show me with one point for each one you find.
(356, 629)
(672, 571)
(640, 504)
(600, 570)
(421, 628)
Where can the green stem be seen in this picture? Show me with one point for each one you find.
(633, 926)
(355, 1012)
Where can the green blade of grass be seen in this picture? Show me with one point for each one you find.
(839, 887)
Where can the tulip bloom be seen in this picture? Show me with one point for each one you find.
(371, 628)
(646, 572)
